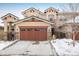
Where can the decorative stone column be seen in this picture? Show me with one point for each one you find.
(49, 32)
(9, 30)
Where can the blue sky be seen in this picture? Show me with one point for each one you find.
(17, 8)
(27, 5)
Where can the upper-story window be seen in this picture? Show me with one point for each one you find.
(63, 18)
(51, 17)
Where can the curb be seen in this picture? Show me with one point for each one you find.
(52, 47)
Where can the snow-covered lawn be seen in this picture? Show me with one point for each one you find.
(64, 47)
(4, 44)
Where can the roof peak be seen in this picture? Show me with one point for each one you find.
(31, 8)
(51, 8)
(37, 18)
(9, 14)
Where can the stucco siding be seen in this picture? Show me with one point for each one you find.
(36, 13)
(30, 24)
(5, 26)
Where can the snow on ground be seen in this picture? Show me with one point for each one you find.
(4, 44)
(64, 47)
(16, 49)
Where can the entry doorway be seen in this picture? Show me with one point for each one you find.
(52, 31)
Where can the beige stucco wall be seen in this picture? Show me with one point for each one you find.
(48, 13)
(10, 19)
(6, 22)
(51, 11)
(30, 24)
(5, 26)
(35, 13)
(31, 13)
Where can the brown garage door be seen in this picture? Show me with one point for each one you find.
(33, 33)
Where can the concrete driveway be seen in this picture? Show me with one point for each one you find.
(28, 48)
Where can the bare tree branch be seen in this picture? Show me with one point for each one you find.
(72, 7)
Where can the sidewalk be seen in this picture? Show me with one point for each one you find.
(5, 44)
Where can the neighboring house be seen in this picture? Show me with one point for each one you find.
(1, 32)
(37, 25)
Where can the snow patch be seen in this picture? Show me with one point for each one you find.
(4, 44)
(64, 47)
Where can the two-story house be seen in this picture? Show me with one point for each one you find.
(37, 25)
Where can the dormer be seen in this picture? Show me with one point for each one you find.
(51, 10)
(51, 13)
(9, 17)
(32, 12)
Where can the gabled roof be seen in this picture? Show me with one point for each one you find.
(52, 9)
(9, 14)
(68, 13)
(33, 9)
(38, 18)
(71, 24)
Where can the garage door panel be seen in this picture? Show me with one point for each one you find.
(23, 35)
(22, 32)
(34, 34)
